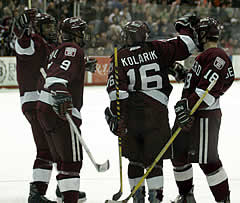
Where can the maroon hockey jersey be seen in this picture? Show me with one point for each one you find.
(65, 71)
(31, 55)
(145, 68)
(212, 64)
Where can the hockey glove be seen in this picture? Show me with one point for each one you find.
(178, 71)
(183, 117)
(188, 20)
(90, 64)
(27, 17)
(117, 126)
(62, 103)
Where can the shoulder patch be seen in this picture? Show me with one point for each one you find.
(70, 51)
(219, 63)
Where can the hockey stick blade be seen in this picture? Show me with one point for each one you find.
(103, 167)
(117, 195)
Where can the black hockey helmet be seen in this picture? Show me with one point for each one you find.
(73, 28)
(208, 29)
(46, 26)
(135, 32)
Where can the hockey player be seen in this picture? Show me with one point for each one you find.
(144, 90)
(31, 55)
(198, 141)
(63, 92)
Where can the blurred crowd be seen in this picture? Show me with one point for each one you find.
(105, 19)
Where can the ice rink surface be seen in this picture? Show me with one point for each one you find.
(17, 150)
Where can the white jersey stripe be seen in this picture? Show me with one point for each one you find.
(78, 147)
(201, 141)
(122, 95)
(29, 97)
(189, 43)
(27, 51)
(52, 80)
(206, 141)
(209, 99)
(157, 95)
(74, 156)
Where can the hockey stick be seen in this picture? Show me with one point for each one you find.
(100, 167)
(165, 147)
(119, 193)
(29, 4)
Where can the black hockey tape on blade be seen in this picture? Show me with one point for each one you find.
(117, 196)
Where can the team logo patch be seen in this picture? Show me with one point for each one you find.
(219, 63)
(70, 51)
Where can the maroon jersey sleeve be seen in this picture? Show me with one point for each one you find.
(213, 64)
(176, 49)
(31, 55)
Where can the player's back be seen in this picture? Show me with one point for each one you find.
(145, 69)
(146, 80)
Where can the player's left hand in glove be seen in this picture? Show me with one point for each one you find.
(183, 117)
(117, 126)
(27, 17)
(62, 103)
(189, 20)
(178, 71)
(90, 64)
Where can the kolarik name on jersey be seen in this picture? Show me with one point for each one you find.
(140, 58)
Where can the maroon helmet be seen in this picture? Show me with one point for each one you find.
(207, 29)
(46, 26)
(73, 28)
(135, 32)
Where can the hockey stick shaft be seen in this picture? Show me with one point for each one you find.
(100, 167)
(116, 73)
(159, 156)
(29, 4)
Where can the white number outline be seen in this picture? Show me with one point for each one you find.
(145, 79)
(65, 65)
